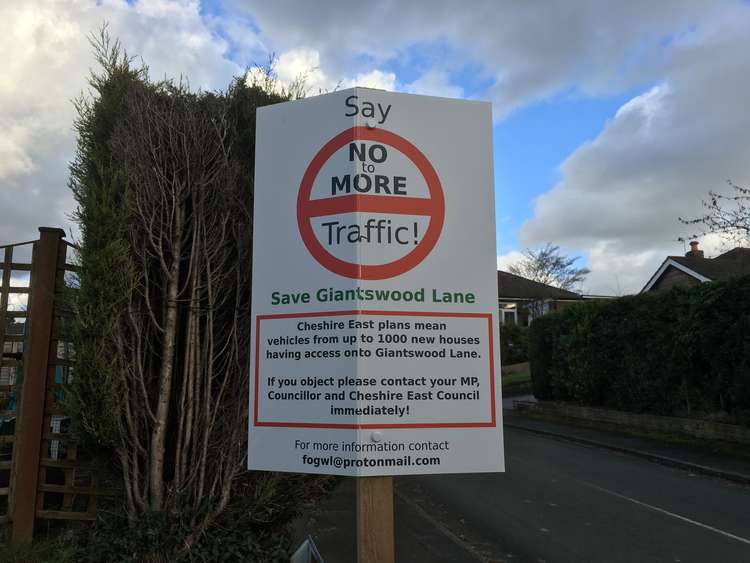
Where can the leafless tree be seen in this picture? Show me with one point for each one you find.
(726, 215)
(181, 344)
(546, 265)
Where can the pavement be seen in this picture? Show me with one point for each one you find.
(569, 494)
(419, 535)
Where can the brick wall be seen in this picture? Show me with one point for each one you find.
(696, 428)
(672, 277)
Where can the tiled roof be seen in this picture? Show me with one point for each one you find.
(736, 262)
(511, 286)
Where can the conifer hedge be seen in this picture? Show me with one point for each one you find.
(163, 179)
(683, 352)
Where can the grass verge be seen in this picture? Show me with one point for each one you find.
(516, 384)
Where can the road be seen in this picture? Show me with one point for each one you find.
(563, 502)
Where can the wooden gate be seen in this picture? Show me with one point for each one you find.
(43, 476)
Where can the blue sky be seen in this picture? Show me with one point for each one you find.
(612, 119)
(531, 144)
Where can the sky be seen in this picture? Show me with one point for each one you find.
(611, 119)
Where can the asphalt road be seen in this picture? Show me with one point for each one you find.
(563, 502)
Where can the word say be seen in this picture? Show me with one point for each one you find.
(367, 109)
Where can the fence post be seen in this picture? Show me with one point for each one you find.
(30, 421)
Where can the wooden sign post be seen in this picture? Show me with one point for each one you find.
(375, 542)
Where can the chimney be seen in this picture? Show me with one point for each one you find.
(694, 251)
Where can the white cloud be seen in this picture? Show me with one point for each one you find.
(373, 79)
(620, 196)
(637, 117)
(14, 158)
(617, 272)
(46, 61)
(435, 82)
(526, 52)
(303, 64)
(506, 260)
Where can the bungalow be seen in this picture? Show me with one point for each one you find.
(521, 299)
(694, 268)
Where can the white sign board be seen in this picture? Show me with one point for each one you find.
(375, 343)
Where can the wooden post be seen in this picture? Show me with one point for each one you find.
(30, 421)
(4, 293)
(375, 520)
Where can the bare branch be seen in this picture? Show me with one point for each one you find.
(726, 215)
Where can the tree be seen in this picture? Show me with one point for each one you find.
(98, 185)
(546, 265)
(726, 215)
(163, 182)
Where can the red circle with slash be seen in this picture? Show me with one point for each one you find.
(433, 207)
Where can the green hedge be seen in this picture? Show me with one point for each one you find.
(514, 344)
(683, 352)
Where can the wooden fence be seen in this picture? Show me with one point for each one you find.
(43, 475)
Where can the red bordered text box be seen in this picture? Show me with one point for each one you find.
(486, 424)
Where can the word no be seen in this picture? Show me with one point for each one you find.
(363, 183)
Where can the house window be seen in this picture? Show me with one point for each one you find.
(526, 320)
(509, 317)
(508, 313)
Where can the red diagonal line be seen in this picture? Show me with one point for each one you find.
(370, 203)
